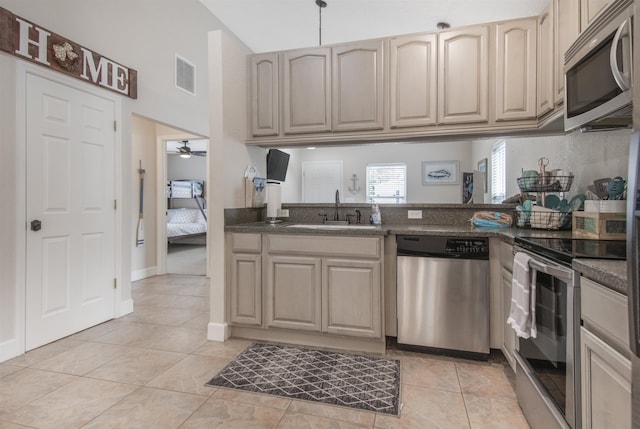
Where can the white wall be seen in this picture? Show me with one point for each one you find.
(143, 35)
(356, 158)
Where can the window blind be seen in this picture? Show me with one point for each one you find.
(387, 183)
(498, 172)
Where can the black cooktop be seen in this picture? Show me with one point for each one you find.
(565, 249)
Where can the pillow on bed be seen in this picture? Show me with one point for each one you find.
(182, 215)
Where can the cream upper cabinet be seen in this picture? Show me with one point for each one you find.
(307, 90)
(590, 9)
(463, 75)
(265, 118)
(358, 86)
(545, 62)
(413, 80)
(567, 29)
(515, 72)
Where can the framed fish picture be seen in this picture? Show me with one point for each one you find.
(440, 173)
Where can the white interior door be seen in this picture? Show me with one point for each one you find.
(70, 271)
(321, 180)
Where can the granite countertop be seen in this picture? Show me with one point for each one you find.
(609, 273)
(612, 274)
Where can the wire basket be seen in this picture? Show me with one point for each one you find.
(548, 219)
(552, 183)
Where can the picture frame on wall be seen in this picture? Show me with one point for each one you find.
(483, 165)
(440, 173)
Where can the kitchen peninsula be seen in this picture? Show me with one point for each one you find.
(337, 287)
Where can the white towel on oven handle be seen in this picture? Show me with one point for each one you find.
(522, 316)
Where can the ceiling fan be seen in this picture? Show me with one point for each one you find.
(185, 151)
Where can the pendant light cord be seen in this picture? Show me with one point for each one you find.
(321, 4)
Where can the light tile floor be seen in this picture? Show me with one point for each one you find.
(148, 370)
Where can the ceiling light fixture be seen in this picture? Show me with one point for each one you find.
(321, 5)
(184, 151)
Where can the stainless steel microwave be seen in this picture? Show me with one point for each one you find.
(598, 72)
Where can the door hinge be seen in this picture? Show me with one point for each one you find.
(115, 204)
(115, 283)
(115, 125)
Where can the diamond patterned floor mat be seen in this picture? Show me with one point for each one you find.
(356, 381)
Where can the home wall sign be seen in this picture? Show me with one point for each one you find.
(31, 42)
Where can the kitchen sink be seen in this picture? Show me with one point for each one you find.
(329, 226)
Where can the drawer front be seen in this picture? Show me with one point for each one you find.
(246, 242)
(606, 310)
(362, 247)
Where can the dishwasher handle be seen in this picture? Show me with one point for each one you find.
(423, 254)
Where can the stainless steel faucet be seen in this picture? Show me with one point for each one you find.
(335, 214)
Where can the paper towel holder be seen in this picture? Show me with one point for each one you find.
(274, 202)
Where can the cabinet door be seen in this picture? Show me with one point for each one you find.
(509, 338)
(265, 118)
(293, 295)
(590, 10)
(545, 62)
(413, 77)
(516, 70)
(606, 385)
(358, 87)
(307, 90)
(351, 293)
(463, 75)
(567, 29)
(246, 289)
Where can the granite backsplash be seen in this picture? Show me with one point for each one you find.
(432, 214)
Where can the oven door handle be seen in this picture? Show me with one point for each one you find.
(559, 273)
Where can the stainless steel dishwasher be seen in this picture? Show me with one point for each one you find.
(443, 292)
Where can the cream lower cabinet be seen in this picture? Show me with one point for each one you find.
(351, 297)
(605, 365)
(244, 274)
(328, 284)
(293, 292)
(606, 385)
(509, 338)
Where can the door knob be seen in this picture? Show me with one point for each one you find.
(36, 225)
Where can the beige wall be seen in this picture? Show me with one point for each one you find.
(228, 158)
(143, 149)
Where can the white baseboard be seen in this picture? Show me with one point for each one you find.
(217, 331)
(125, 307)
(144, 273)
(10, 349)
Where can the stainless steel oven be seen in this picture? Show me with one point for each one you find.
(548, 366)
